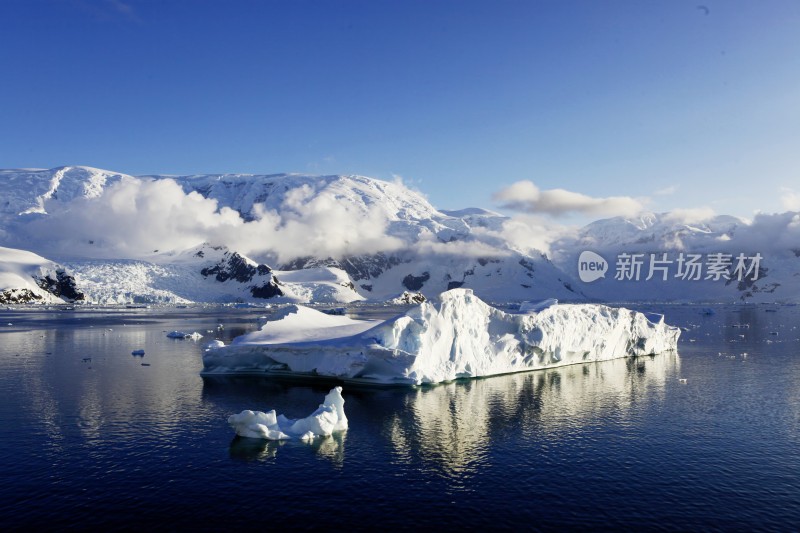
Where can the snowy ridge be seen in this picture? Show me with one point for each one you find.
(458, 337)
(28, 278)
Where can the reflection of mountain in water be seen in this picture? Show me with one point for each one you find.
(452, 425)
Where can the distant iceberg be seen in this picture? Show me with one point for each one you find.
(459, 336)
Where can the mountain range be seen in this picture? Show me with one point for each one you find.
(108, 237)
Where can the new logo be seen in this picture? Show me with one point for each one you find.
(591, 266)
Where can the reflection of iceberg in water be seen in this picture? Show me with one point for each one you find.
(247, 449)
(451, 425)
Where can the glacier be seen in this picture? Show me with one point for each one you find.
(327, 419)
(457, 336)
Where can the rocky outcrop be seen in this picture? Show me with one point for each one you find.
(19, 296)
(61, 284)
(234, 267)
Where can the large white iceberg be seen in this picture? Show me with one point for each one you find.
(328, 417)
(460, 336)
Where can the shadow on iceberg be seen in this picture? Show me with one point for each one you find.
(457, 337)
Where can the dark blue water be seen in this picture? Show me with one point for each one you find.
(93, 437)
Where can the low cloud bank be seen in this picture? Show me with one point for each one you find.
(136, 217)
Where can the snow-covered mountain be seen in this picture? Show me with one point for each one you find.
(289, 237)
(325, 238)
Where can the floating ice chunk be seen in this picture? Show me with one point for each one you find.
(137, 352)
(458, 337)
(328, 418)
(182, 335)
(215, 344)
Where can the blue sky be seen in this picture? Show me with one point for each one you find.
(672, 104)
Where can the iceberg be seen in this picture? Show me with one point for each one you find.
(459, 336)
(328, 417)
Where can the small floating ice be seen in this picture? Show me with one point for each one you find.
(137, 352)
(182, 335)
(328, 418)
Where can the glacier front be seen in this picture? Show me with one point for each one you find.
(459, 336)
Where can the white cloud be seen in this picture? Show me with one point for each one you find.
(526, 197)
(134, 217)
(530, 233)
(790, 200)
(691, 215)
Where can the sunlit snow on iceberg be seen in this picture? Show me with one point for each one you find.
(328, 417)
(459, 336)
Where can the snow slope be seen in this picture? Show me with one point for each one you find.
(205, 274)
(460, 336)
(28, 278)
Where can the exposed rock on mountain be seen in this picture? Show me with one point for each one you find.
(257, 277)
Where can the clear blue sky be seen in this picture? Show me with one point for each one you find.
(460, 98)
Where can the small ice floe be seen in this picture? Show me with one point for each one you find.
(215, 344)
(138, 352)
(681, 380)
(181, 335)
(328, 418)
(746, 326)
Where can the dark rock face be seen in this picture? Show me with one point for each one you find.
(415, 283)
(411, 298)
(234, 267)
(62, 285)
(267, 290)
(362, 267)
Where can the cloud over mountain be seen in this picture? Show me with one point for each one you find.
(525, 196)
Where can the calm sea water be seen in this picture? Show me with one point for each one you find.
(94, 437)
